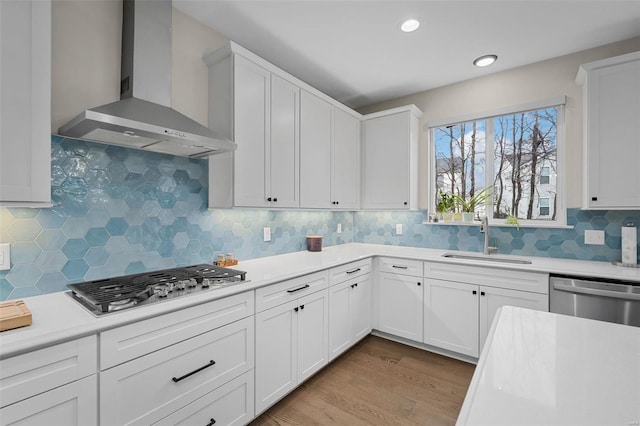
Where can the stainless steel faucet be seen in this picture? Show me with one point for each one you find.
(484, 227)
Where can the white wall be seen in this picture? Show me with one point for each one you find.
(86, 45)
(538, 81)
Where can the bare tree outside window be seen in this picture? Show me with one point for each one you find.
(523, 149)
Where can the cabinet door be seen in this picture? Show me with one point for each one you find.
(493, 298)
(361, 308)
(340, 337)
(386, 162)
(345, 160)
(276, 354)
(73, 404)
(284, 147)
(312, 334)
(613, 126)
(400, 307)
(315, 152)
(451, 316)
(25, 103)
(251, 131)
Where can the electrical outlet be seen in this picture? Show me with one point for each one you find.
(339, 229)
(398, 229)
(267, 234)
(594, 237)
(5, 256)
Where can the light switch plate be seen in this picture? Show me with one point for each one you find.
(267, 234)
(5, 256)
(398, 229)
(594, 237)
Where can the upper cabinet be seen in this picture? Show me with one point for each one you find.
(259, 111)
(329, 155)
(611, 91)
(390, 160)
(296, 146)
(25, 108)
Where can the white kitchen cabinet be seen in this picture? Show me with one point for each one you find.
(611, 116)
(230, 404)
(291, 345)
(73, 404)
(329, 155)
(25, 103)
(260, 112)
(460, 302)
(400, 305)
(349, 313)
(451, 316)
(390, 159)
(147, 389)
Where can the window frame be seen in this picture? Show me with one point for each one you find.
(560, 204)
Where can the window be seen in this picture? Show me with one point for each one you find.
(543, 207)
(514, 156)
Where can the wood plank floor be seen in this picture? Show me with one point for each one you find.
(377, 382)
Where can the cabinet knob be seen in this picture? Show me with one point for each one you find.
(405, 203)
(275, 200)
(211, 422)
(594, 198)
(301, 307)
(419, 283)
(482, 293)
(475, 292)
(269, 199)
(296, 309)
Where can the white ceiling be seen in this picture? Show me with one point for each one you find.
(354, 51)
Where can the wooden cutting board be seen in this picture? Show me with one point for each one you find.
(14, 314)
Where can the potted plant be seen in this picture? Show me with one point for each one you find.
(468, 207)
(445, 205)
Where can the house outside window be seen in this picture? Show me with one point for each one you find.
(515, 155)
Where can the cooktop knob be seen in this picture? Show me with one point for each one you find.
(162, 291)
(205, 283)
(170, 286)
(180, 284)
(192, 283)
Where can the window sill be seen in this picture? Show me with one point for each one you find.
(502, 225)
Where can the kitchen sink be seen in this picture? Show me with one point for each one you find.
(487, 258)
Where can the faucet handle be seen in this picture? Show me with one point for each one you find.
(492, 249)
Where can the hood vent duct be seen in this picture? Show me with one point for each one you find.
(143, 117)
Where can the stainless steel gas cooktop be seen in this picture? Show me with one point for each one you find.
(116, 294)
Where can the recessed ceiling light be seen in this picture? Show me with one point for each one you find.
(410, 25)
(485, 60)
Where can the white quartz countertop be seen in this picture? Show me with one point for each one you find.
(539, 368)
(57, 318)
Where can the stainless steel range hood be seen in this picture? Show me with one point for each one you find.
(143, 117)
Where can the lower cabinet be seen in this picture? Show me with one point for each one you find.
(74, 404)
(147, 389)
(400, 305)
(291, 345)
(230, 404)
(459, 309)
(349, 313)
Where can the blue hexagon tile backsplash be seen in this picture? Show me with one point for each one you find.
(119, 211)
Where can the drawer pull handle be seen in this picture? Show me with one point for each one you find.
(400, 267)
(176, 380)
(211, 422)
(354, 271)
(298, 289)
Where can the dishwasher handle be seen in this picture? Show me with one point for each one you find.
(598, 289)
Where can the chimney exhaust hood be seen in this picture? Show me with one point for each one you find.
(143, 118)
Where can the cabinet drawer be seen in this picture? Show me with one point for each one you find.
(32, 373)
(74, 404)
(230, 404)
(400, 266)
(134, 340)
(351, 270)
(148, 389)
(286, 291)
(536, 282)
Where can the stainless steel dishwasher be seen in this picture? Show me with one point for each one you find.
(595, 298)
